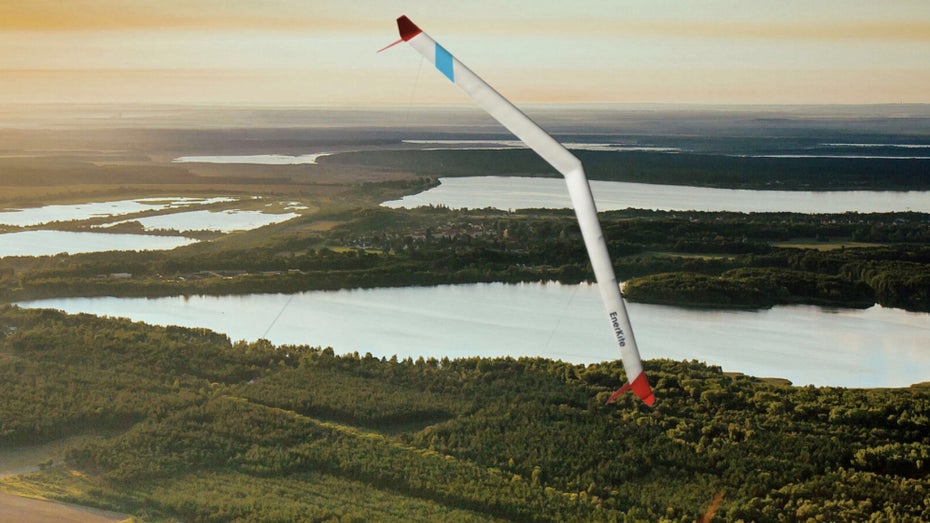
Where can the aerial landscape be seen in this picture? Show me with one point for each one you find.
(235, 286)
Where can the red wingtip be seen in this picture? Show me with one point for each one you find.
(407, 28)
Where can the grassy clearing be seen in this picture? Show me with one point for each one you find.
(691, 256)
(231, 495)
(22, 459)
(28, 510)
(824, 246)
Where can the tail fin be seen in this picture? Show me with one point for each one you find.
(407, 28)
(640, 387)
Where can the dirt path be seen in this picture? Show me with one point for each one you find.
(20, 460)
(18, 509)
(15, 509)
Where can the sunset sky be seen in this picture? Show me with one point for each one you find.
(321, 52)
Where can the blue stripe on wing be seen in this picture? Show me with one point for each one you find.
(444, 62)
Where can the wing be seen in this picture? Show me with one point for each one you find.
(578, 188)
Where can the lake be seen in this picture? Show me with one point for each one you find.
(49, 243)
(875, 347)
(83, 211)
(176, 215)
(513, 192)
(260, 159)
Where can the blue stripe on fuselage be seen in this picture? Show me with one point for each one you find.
(444, 62)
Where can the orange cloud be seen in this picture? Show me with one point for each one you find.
(41, 15)
(323, 15)
(102, 15)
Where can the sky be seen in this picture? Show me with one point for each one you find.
(322, 52)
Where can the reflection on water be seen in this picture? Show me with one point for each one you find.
(83, 211)
(48, 243)
(877, 347)
(261, 159)
(446, 145)
(511, 192)
(175, 217)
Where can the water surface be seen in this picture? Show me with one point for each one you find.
(513, 192)
(48, 243)
(876, 347)
(261, 159)
(83, 211)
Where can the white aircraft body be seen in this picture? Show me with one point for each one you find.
(580, 192)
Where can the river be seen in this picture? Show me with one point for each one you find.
(875, 347)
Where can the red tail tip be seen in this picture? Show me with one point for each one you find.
(407, 28)
(640, 387)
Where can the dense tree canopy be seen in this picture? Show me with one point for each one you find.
(197, 428)
(686, 258)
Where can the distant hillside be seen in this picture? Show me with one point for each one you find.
(700, 170)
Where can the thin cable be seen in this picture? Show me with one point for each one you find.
(275, 320)
(558, 322)
(413, 93)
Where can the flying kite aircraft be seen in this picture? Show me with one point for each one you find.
(578, 188)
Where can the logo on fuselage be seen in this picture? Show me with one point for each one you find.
(618, 331)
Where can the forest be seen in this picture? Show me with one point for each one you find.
(693, 169)
(700, 259)
(193, 427)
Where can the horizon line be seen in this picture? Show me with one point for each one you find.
(451, 104)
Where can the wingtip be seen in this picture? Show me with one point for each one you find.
(407, 28)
